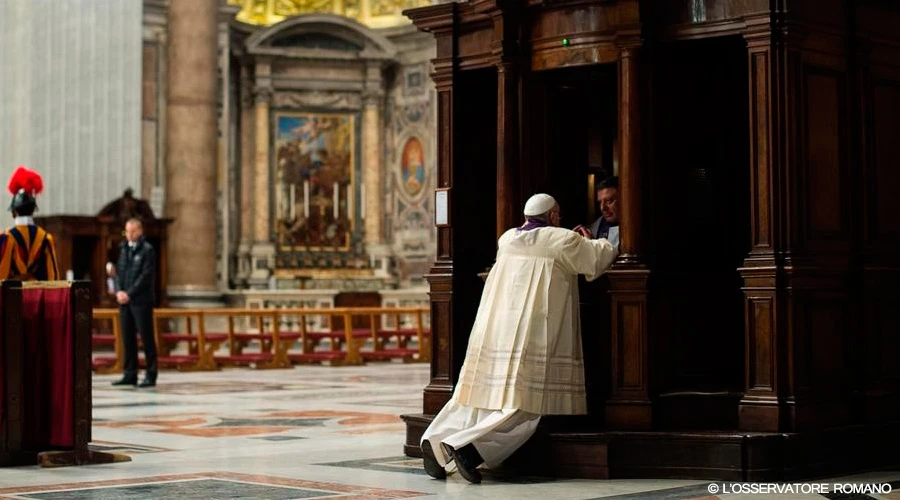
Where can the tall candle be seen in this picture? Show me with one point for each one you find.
(293, 194)
(362, 201)
(306, 199)
(336, 198)
(349, 202)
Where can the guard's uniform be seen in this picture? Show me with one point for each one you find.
(27, 251)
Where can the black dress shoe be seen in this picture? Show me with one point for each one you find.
(432, 467)
(147, 383)
(467, 461)
(125, 381)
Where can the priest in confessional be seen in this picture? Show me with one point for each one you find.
(27, 251)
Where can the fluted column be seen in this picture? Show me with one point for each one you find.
(191, 151)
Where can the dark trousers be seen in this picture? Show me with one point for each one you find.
(138, 318)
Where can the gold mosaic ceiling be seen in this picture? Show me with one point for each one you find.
(373, 13)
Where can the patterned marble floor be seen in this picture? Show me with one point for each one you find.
(310, 432)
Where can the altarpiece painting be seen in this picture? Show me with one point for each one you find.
(316, 188)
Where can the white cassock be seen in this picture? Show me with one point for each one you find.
(524, 356)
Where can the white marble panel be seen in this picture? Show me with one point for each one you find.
(70, 98)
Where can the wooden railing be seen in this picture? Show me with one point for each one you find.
(208, 339)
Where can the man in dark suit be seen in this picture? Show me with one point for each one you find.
(134, 292)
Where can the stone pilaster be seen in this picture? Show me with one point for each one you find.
(372, 169)
(191, 152)
(245, 262)
(263, 251)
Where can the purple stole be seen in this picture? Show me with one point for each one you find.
(532, 224)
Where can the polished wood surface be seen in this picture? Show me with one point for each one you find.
(756, 145)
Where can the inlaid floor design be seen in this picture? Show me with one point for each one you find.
(306, 432)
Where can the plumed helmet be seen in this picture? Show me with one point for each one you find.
(24, 185)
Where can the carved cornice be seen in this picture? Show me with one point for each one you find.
(434, 19)
(262, 95)
(317, 99)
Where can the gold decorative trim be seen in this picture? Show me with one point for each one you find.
(373, 13)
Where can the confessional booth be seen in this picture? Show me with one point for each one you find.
(750, 327)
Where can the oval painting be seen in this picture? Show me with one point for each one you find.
(412, 166)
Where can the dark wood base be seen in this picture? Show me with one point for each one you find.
(69, 458)
(570, 450)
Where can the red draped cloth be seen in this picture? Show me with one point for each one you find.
(49, 381)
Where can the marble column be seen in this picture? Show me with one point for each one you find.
(246, 177)
(263, 250)
(372, 169)
(191, 152)
(225, 164)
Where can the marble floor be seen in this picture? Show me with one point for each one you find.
(309, 432)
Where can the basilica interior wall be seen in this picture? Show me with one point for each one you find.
(70, 98)
(278, 224)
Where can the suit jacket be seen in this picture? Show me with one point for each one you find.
(28, 253)
(136, 272)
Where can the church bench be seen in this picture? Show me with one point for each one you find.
(294, 326)
(395, 324)
(244, 327)
(175, 326)
(106, 332)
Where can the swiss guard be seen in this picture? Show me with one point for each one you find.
(27, 252)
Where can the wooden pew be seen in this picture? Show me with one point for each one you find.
(105, 363)
(293, 328)
(260, 326)
(278, 331)
(46, 372)
(383, 330)
(201, 347)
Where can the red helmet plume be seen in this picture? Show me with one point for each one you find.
(27, 180)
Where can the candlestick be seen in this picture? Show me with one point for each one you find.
(306, 199)
(362, 201)
(293, 206)
(336, 198)
(350, 202)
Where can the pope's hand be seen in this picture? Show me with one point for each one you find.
(586, 232)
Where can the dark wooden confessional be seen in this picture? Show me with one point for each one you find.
(750, 328)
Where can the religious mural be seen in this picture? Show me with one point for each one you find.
(315, 161)
(412, 167)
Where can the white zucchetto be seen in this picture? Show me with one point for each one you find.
(539, 204)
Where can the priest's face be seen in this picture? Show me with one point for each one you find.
(608, 198)
(555, 216)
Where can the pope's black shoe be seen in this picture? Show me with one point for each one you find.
(467, 461)
(432, 467)
(126, 381)
(147, 383)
